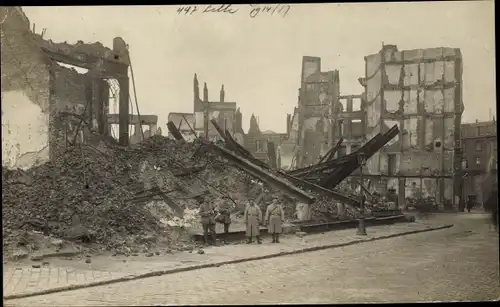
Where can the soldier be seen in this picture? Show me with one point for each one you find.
(207, 214)
(224, 215)
(275, 215)
(253, 218)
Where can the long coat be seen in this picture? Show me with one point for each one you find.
(253, 217)
(275, 215)
(224, 215)
(207, 214)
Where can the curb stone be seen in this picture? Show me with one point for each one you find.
(218, 264)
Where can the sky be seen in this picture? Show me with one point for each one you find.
(259, 59)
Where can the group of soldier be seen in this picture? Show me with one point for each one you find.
(252, 215)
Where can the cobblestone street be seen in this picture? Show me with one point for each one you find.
(459, 263)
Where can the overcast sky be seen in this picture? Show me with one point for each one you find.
(259, 59)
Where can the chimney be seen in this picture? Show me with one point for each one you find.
(222, 93)
(205, 93)
(196, 88)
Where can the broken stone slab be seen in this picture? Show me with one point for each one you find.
(300, 234)
(58, 243)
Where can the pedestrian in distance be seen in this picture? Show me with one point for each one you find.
(253, 219)
(491, 206)
(207, 214)
(275, 216)
(470, 204)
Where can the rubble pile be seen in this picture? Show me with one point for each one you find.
(95, 185)
(81, 183)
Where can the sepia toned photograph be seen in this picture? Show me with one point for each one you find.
(249, 154)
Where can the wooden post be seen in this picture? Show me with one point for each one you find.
(124, 111)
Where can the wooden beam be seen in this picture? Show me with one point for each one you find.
(134, 119)
(265, 175)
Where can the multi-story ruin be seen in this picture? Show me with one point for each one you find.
(419, 90)
(318, 101)
(59, 105)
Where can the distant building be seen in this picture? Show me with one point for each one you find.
(225, 113)
(256, 141)
(479, 145)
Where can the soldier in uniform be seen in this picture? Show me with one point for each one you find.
(253, 218)
(275, 215)
(224, 215)
(207, 214)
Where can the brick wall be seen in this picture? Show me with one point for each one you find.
(24, 88)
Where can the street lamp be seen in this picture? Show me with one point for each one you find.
(361, 223)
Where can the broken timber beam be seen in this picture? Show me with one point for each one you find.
(175, 132)
(326, 192)
(335, 149)
(369, 149)
(265, 175)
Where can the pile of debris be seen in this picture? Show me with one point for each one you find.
(104, 188)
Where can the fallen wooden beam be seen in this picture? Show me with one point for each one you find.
(369, 149)
(335, 149)
(314, 187)
(175, 132)
(219, 129)
(265, 175)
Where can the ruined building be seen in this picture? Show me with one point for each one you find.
(227, 115)
(349, 124)
(59, 106)
(318, 101)
(420, 91)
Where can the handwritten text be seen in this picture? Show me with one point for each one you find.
(253, 10)
(278, 9)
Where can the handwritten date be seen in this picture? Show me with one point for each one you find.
(279, 9)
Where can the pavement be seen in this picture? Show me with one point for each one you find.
(463, 258)
(22, 280)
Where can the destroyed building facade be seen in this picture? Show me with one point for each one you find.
(65, 106)
(420, 91)
(318, 101)
(225, 113)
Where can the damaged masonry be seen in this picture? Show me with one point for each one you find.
(77, 180)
